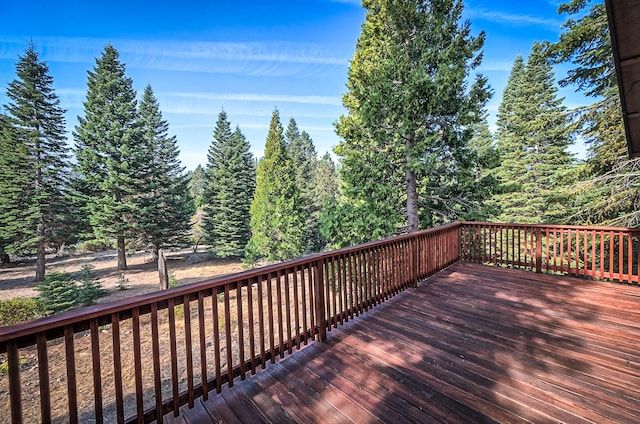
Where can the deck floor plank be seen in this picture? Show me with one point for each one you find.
(470, 344)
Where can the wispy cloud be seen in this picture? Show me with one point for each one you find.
(503, 65)
(256, 58)
(256, 97)
(513, 18)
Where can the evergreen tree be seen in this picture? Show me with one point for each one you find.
(197, 181)
(482, 143)
(304, 159)
(34, 162)
(404, 155)
(277, 215)
(533, 136)
(607, 191)
(109, 160)
(163, 200)
(229, 189)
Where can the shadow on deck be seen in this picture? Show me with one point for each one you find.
(470, 344)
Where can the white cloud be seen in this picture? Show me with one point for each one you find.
(514, 19)
(256, 58)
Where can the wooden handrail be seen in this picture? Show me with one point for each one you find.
(242, 321)
(607, 253)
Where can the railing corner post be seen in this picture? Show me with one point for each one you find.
(319, 300)
(538, 233)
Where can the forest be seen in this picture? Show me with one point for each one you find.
(416, 150)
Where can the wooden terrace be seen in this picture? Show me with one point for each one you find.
(470, 344)
(415, 328)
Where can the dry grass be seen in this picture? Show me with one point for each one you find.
(143, 278)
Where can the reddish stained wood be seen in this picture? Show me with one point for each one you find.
(227, 331)
(326, 284)
(137, 363)
(311, 311)
(15, 390)
(297, 305)
(155, 352)
(261, 326)
(280, 321)
(72, 391)
(620, 256)
(188, 347)
(204, 377)
(288, 305)
(303, 304)
(216, 340)
(272, 338)
(174, 356)
(43, 379)
(334, 291)
(117, 366)
(252, 334)
(240, 318)
(318, 282)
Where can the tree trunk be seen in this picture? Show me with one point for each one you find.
(413, 223)
(40, 262)
(154, 252)
(4, 258)
(122, 254)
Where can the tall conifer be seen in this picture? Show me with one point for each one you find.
(404, 155)
(109, 161)
(229, 188)
(277, 214)
(162, 200)
(34, 162)
(533, 136)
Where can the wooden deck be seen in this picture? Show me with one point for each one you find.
(471, 344)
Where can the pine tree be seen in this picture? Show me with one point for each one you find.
(404, 155)
(163, 200)
(533, 136)
(109, 161)
(277, 215)
(229, 189)
(34, 162)
(304, 159)
(606, 191)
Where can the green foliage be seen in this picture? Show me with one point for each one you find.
(532, 140)
(229, 189)
(163, 200)
(277, 213)
(123, 282)
(108, 150)
(90, 287)
(316, 181)
(94, 245)
(33, 163)
(19, 309)
(411, 104)
(58, 293)
(197, 182)
(173, 280)
(604, 190)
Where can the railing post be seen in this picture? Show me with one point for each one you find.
(413, 246)
(538, 234)
(319, 299)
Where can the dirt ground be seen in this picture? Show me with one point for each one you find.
(17, 279)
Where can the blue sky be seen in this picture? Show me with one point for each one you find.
(247, 57)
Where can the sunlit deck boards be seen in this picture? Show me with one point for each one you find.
(471, 344)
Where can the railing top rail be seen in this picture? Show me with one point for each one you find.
(552, 226)
(102, 310)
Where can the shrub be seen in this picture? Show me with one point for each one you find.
(93, 246)
(58, 293)
(90, 288)
(19, 309)
(123, 282)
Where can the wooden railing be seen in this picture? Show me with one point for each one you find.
(137, 359)
(608, 253)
